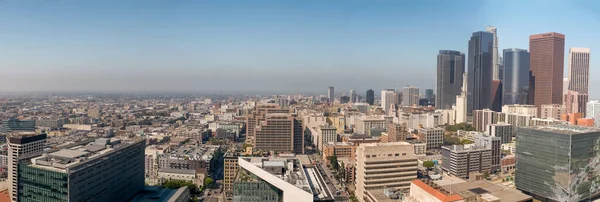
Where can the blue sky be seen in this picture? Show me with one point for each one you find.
(229, 46)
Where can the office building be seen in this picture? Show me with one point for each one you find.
(257, 116)
(558, 157)
(344, 99)
(483, 118)
(504, 131)
(575, 102)
(496, 68)
(593, 112)
(339, 150)
(552, 111)
(493, 143)
(230, 168)
(433, 137)
(565, 85)
(516, 76)
(547, 52)
(103, 170)
(281, 133)
(384, 165)
(353, 96)
(460, 160)
(579, 75)
(330, 94)
(517, 120)
(370, 97)
(388, 98)
(480, 64)
(429, 95)
(496, 95)
(278, 180)
(322, 135)
(520, 109)
(397, 132)
(461, 102)
(365, 124)
(21, 146)
(449, 78)
(17, 125)
(410, 96)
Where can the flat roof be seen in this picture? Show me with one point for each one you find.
(565, 129)
(68, 153)
(505, 194)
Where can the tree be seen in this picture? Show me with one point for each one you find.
(428, 164)
(486, 174)
(209, 182)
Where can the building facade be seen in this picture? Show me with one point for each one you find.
(593, 112)
(579, 76)
(410, 96)
(480, 64)
(552, 111)
(433, 137)
(504, 131)
(370, 97)
(21, 146)
(330, 94)
(516, 76)
(280, 133)
(547, 53)
(449, 80)
(460, 160)
(388, 97)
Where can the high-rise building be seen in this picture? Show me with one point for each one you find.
(480, 58)
(520, 109)
(330, 94)
(21, 146)
(516, 76)
(579, 76)
(353, 96)
(449, 78)
(230, 167)
(483, 118)
(429, 95)
(461, 102)
(593, 112)
(257, 116)
(384, 165)
(103, 170)
(280, 132)
(493, 143)
(575, 102)
(370, 97)
(410, 96)
(503, 130)
(397, 132)
(547, 52)
(557, 162)
(565, 86)
(496, 95)
(496, 71)
(460, 160)
(388, 97)
(552, 111)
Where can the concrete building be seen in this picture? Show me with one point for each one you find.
(103, 170)
(410, 96)
(460, 160)
(585, 122)
(370, 97)
(340, 150)
(388, 97)
(517, 120)
(322, 135)
(547, 58)
(520, 109)
(480, 66)
(579, 76)
(365, 124)
(504, 131)
(575, 102)
(461, 102)
(257, 116)
(543, 122)
(479, 190)
(280, 133)
(483, 118)
(416, 120)
(593, 112)
(448, 116)
(397, 132)
(230, 169)
(330, 94)
(384, 165)
(516, 76)
(21, 146)
(552, 111)
(557, 157)
(494, 144)
(353, 96)
(433, 137)
(449, 79)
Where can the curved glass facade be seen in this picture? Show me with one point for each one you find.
(516, 76)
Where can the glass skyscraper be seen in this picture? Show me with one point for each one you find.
(558, 162)
(479, 88)
(450, 68)
(516, 76)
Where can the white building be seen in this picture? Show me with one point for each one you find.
(418, 120)
(461, 102)
(433, 137)
(552, 111)
(593, 112)
(364, 124)
(388, 97)
(448, 116)
(410, 96)
(493, 143)
(520, 109)
(503, 130)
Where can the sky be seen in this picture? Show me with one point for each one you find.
(265, 45)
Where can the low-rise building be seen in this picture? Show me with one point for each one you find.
(433, 137)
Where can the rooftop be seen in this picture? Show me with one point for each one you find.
(192, 152)
(488, 190)
(565, 129)
(287, 169)
(158, 194)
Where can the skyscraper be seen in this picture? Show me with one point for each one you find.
(21, 146)
(516, 76)
(370, 97)
(479, 95)
(429, 95)
(496, 72)
(388, 97)
(450, 67)
(330, 94)
(353, 97)
(410, 96)
(280, 132)
(497, 95)
(579, 76)
(461, 101)
(547, 67)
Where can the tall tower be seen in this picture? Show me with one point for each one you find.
(516, 76)
(547, 67)
(450, 67)
(388, 97)
(479, 91)
(410, 96)
(579, 76)
(461, 102)
(353, 97)
(21, 146)
(370, 96)
(496, 74)
(330, 94)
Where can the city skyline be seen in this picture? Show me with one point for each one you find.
(75, 46)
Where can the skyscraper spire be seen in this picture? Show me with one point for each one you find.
(496, 72)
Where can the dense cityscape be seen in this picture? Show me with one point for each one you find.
(298, 101)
